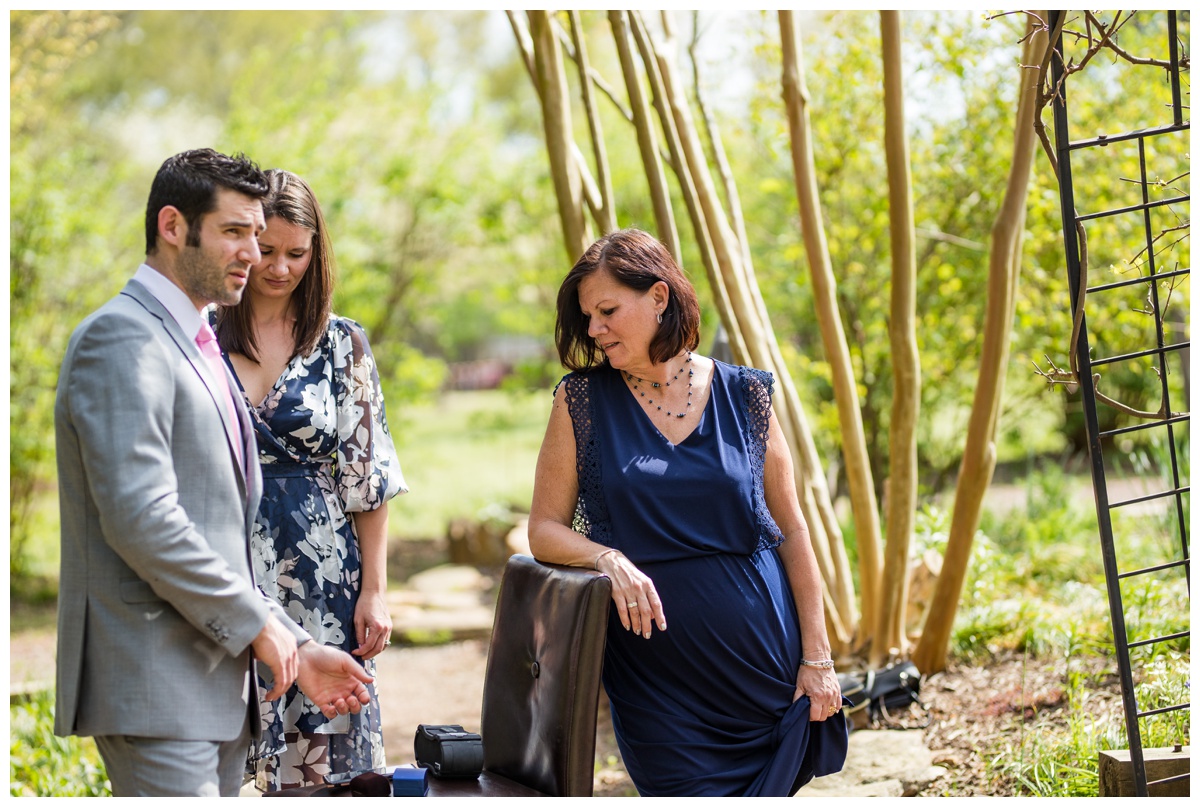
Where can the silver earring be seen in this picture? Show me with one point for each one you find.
(660, 318)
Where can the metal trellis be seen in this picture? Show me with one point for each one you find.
(1159, 351)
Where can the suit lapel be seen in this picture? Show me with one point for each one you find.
(233, 431)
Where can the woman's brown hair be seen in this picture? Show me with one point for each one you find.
(635, 259)
(292, 200)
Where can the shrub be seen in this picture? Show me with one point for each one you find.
(42, 764)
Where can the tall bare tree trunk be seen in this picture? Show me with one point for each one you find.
(979, 454)
(660, 196)
(854, 446)
(560, 145)
(906, 367)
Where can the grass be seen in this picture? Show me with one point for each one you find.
(41, 764)
(467, 455)
(1060, 757)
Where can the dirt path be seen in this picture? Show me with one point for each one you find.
(975, 711)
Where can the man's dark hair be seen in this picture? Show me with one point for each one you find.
(189, 181)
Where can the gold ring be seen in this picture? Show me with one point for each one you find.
(833, 710)
(631, 605)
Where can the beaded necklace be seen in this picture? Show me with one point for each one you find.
(655, 385)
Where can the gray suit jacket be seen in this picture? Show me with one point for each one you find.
(157, 604)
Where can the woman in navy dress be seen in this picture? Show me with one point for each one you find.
(319, 544)
(668, 471)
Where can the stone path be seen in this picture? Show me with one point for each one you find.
(885, 762)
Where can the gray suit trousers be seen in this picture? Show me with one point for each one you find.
(149, 766)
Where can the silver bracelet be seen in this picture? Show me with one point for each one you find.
(823, 663)
(596, 565)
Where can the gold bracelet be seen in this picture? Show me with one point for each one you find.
(596, 565)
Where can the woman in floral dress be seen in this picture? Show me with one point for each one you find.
(329, 467)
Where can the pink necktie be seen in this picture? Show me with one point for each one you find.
(206, 340)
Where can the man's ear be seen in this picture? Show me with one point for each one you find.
(172, 226)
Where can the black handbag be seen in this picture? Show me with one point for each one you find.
(449, 752)
(880, 695)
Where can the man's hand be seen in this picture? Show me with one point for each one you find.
(275, 646)
(332, 680)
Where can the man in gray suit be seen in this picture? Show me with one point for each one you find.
(159, 620)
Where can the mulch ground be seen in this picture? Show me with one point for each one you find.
(979, 713)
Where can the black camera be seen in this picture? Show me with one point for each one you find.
(449, 752)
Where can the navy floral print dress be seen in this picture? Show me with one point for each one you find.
(325, 452)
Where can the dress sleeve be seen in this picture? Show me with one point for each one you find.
(366, 471)
(591, 512)
(758, 386)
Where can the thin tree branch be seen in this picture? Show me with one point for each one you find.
(602, 207)
(597, 79)
(719, 158)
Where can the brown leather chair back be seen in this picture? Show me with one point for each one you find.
(542, 687)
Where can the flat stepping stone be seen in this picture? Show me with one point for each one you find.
(443, 604)
(880, 763)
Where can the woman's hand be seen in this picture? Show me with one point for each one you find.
(637, 601)
(823, 691)
(372, 624)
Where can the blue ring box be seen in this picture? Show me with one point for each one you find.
(410, 782)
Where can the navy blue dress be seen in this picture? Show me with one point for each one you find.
(704, 708)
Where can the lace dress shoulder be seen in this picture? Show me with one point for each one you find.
(591, 514)
(757, 388)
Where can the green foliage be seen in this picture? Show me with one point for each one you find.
(356, 102)
(960, 85)
(41, 764)
(59, 212)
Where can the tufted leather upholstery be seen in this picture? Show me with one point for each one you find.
(542, 686)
